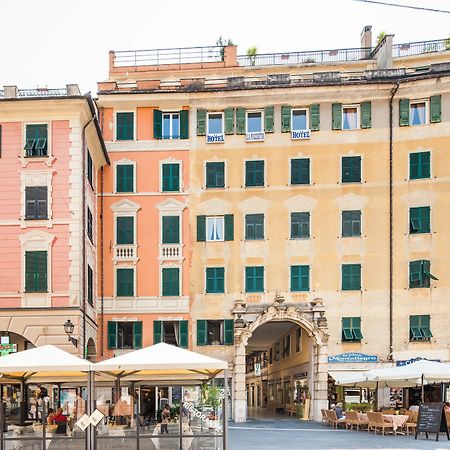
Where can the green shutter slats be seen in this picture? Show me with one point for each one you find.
(254, 173)
(171, 177)
(336, 110)
(125, 282)
(157, 331)
(268, 119)
(300, 171)
(240, 120)
(137, 334)
(157, 124)
(124, 126)
(124, 178)
(171, 230)
(36, 271)
(184, 333)
(228, 332)
(300, 225)
(285, 119)
(171, 282)
(254, 226)
(299, 278)
(419, 220)
(254, 279)
(314, 117)
(184, 124)
(366, 114)
(201, 122)
(215, 174)
(201, 332)
(229, 227)
(229, 120)
(201, 228)
(351, 277)
(404, 112)
(435, 108)
(419, 165)
(215, 280)
(112, 335)
(125, 230)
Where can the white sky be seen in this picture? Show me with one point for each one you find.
(54, 42)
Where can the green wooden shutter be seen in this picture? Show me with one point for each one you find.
(29, 271)
(404, 112)
(171, 282)
(336, 116)
(184, 124)
(228, 334)
(201, 122)
(157, 331)
(229, 227)
(285, 119)
(347, 334)
(112, 335)
(137, 334)
(201, 332)
(125, 126)
(229, 120)
(184, 333)
(125, 230)
(41, 271)
(201, 228)
(435, 108)
(157, 124)
(125, 282)
(314, 117)
(268, 119)
(240, 120)
(366, 114)
(415, 274)
(171, 230)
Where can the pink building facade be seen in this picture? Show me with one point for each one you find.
(51, 161)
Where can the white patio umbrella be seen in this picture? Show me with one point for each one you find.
(358, 380)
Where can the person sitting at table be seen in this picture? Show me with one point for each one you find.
(61, 420)
(51, 413)
(339, 410)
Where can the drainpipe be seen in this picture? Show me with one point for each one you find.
(391, 227)
(83, 237)
(102, 326)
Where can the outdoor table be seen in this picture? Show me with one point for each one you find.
(397, 419)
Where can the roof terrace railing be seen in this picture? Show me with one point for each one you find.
(2, 93)
(42, 92)
(169, 56)
(314, 56)
(418, 48)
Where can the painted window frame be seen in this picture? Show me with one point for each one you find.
(206, 280)
(125, 162)
(170, 160)
(224, 174)
(361, 170)
(222, 218)
(426, 102)
(180, 280)
(263, 160)
(263, 227)
(358, 116)
(252, 111)
(210, 113)
(171, 115)
(116, 278)
(350, 289)
(134, 112)
(49, 140)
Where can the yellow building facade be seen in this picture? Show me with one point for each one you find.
(317, 199)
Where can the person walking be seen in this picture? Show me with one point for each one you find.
(165, 419)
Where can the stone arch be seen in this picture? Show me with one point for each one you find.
(91, 350)
(311, 317)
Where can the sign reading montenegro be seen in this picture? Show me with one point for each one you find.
(353, 358)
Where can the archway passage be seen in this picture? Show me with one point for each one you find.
(91, 351)
(279, 371)
(12, 342)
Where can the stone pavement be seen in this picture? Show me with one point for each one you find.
(265, 434)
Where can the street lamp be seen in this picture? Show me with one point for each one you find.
(68, 328)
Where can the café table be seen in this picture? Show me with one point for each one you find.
(398, 420)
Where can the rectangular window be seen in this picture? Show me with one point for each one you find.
(215, 332)
(351, 329)
(36, 203)
(351, 223)
(171, 125)
(215, 123)
(254, 227)
(171, 282)
(36, 271)
(124, 126)
(124, 335)
(215, 228)
(299, 278)
(171, 230)
(298, 340)
(300, 225)
(254, 279)
(89, 168)
(254, 173)
(419, 328)
(36, 141)
(351, 169)
(419, 165)
(215, 280)
(254, 121)
(125, 178)
(171, 177)
(418, 112)
(171, 332)
(125, 282)
(420, 274)
(287, 346)
(90, 285)
(299, 119)
(419, 220)
(215, 175)
(125, 230)
(351, 277)
(90, 225)
(349, 117)
(300, 171)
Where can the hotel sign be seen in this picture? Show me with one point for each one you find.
(353, 358)
(215, 138)
(300, 134)
(256, 136)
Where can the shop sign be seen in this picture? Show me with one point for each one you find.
(6, 349)
(257, 369)
(215, 138)
(413, 360)
(300, 134)
(255, 136)
(353, 357)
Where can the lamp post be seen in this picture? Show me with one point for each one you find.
(68, 328)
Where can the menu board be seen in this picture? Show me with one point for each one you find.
(432, 419)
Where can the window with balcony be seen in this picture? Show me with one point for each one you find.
(351, 223)
(419, 165)
(36, 271)
(124, 178)
(170, 282)
(215, 280)
(215, 332)
(215, 175)
(36, 140)
(300, 171)
(254, 173)
(300, 225)
(351, 277)
(170, 229)
(215, 228)
(420, 274)
(173, 332)
(254, 227)
(300, 278)
(125, 230)
(254, 279)
(171, 177)
(351, 169)
(419, 328)
(124, 335)
(351, 329)
(124, 126)
(125, 282)
(36, 203)
(419, 220)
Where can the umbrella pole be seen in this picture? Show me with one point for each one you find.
(376, 397)
(423, 391)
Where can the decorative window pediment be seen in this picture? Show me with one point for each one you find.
(125, 207)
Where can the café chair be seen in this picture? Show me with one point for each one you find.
(376, 420)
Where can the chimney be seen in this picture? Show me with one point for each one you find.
(366, 40)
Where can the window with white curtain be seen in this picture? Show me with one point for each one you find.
(215, 228)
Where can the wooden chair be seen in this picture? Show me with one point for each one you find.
(291, 409)
(361, 422)
(334, 421)
(376, 420)
(324, 415)
(447, 418)
(411, 423)
(388, 412)
(351, 419)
